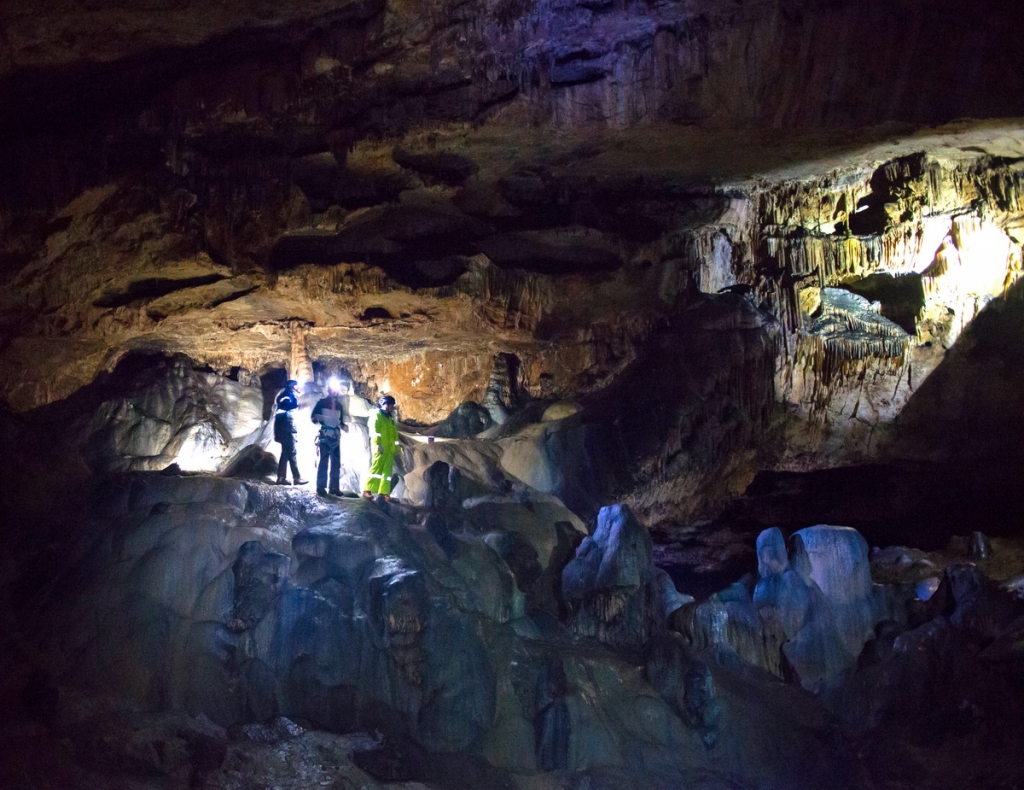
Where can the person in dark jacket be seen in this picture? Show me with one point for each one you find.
(284, 433)
(330, 415)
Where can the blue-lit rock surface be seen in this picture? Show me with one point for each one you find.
(242, 602)
(809, 613)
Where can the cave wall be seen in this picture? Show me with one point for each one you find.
(406, 196)
(864, 279)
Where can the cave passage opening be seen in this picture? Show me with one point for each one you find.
(900, 297)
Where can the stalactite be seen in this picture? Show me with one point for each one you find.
(975, 263)
(839, 257)
(509, 299)
(346, 279)
(709, 253)
(845, 344)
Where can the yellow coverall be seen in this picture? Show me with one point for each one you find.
(384, 443)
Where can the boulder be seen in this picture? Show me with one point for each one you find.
(611, 583)
(809, 613)
(468, 419)
(252, 463)
(729, 623)
(442, 483)
(178, 415)
(616, 557)
(798, 617)
(836, 559)
(478, 472)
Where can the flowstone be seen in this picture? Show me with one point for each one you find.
(809, 613)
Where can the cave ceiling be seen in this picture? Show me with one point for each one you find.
(404, 190)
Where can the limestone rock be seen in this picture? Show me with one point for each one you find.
(616, 557)
(729, 622)
(201, 297)
(195, 420)
(249, 602)
(468, 419)
(611, 582)
(559, 411)
(809, 614)
(687, 685)
(836, 559)
(251, 462)
(260, 576)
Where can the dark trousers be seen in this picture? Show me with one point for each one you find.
(288, 456)
(330, 456)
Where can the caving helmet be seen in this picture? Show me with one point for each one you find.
(385, 401)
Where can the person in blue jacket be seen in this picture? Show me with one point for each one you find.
(284, 433)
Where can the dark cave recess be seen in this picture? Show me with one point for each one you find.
(919, 504)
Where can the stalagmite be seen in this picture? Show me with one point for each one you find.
(299, 366)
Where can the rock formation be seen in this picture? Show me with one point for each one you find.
(662, 291)
(238, 602)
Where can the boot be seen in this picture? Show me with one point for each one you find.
(322, 492)
(299, 482)
(281, 481)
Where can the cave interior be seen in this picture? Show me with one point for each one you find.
(705, 323)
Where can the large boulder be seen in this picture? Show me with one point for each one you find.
(809, 613)
(617, 556)
(612, 586)
(468, 419)
(836, 560)
(797, 616)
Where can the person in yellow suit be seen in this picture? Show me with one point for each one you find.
(384, 444)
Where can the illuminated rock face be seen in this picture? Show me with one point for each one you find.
(298, 184)
(859, 305)
(195, 420)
